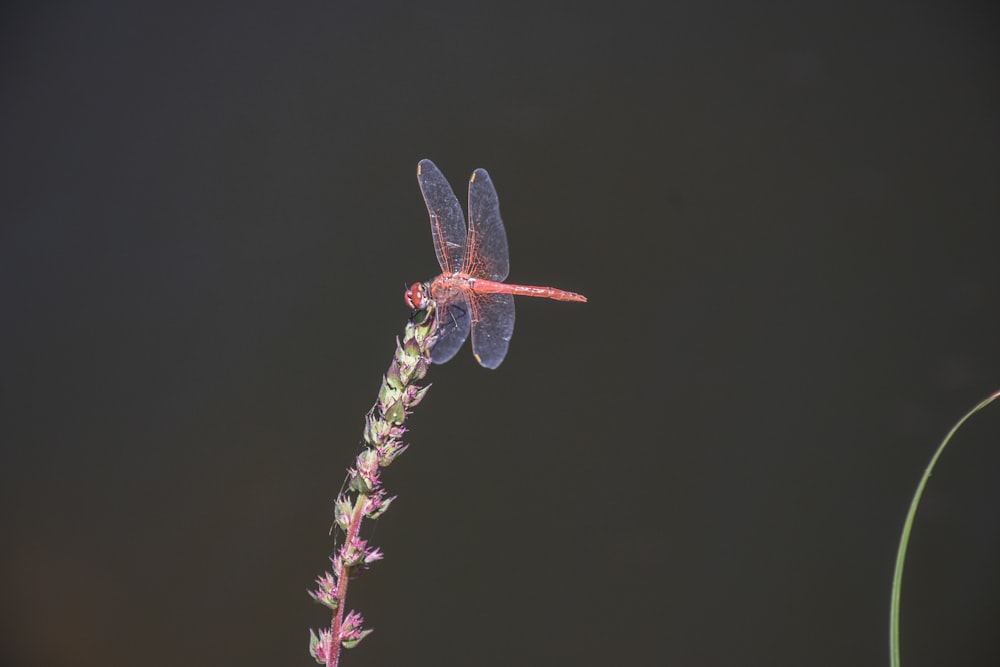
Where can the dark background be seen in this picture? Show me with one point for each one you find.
(784, 216)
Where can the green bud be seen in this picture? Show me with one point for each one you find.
(396, 413)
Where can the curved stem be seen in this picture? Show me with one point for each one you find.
(897, 579)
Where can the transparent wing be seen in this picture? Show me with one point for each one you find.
(492, 327)
(452, 330)
(447, 220)
(486, 255)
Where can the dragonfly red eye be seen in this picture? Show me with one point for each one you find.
(415, 297)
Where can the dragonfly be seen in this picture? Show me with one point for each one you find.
(470, 294)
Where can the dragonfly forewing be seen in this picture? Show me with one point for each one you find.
(447, 219)
(487, 255)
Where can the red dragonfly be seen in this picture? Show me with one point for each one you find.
(470, 292)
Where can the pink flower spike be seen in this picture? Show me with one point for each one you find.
(326, 591)
(351, 632)
(354, 553)
(319, 645)
(368, 467)
(352, 623)
(388, 452)
(342, 512)
(362, 496)
(375, 510)
(414, 395)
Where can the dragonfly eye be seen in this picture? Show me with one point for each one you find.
(415, 297)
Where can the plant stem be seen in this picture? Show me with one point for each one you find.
(343, 576)
(904, 540)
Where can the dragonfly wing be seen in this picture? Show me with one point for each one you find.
(492, 327)
(452, 330)
(447, 221)
(487, 255)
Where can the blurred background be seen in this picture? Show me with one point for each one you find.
(784, 215)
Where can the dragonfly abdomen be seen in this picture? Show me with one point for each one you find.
(492, 287)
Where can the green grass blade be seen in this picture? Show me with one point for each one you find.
(897, 579)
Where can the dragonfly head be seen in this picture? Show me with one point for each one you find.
(416, 296)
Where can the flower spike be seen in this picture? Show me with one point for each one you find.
(365, 496)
